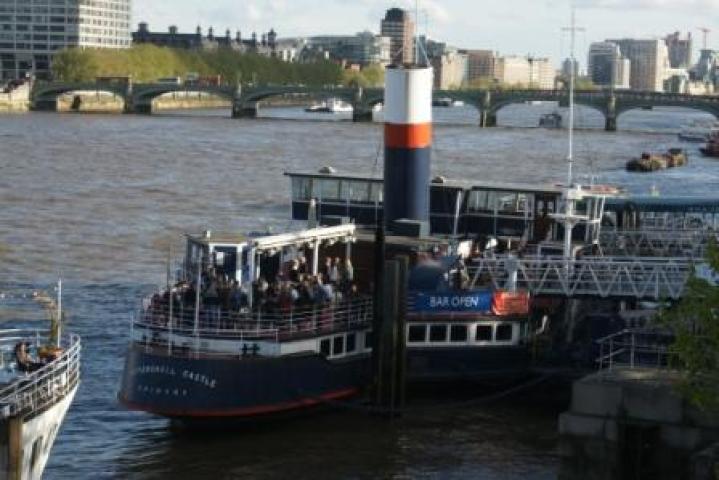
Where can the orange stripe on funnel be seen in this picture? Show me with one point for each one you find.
(407, 136)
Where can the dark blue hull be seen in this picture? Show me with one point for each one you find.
(466, 363)
(184, 387)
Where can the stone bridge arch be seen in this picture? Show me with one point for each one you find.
(246, 105)
(142, 95)
(44, 96)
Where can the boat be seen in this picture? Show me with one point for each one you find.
(711, 149)
(458, 330)
(551, 120)
(648, 162)
(698, 131)
(447, 102)
(333, 105)
(39, 376)
(248, 330)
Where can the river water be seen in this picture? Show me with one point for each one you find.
(100, 199)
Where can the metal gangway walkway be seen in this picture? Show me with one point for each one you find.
(656, 242)
(596, 276)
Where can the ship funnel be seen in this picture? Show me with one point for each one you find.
(408, 144)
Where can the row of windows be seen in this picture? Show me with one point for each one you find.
(491, 200)
(334, 190)
(343, 344)
(501, 333)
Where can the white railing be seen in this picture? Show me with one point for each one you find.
(628, 277)
(636, 349)
(690, 243)
(31, 392)
(269, 325)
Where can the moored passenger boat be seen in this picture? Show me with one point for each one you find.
(39, 376)
(228, 346)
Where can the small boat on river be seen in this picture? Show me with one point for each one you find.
(711, 149)
(648, 162)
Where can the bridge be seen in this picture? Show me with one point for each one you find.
(246, 100)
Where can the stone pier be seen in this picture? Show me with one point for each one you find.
(632, 423)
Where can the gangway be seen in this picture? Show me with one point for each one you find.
(689, 243)
(596, 276)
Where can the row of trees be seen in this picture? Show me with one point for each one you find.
(147, 63)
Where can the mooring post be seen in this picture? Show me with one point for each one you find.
(379, 254)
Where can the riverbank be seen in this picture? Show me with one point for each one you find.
(17, 100)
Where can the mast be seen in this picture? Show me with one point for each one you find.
(59, 313)
(573, 62)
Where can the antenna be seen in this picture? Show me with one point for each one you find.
(59, 312)
(573, 62)
(705, 32)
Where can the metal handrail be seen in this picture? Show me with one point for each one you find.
(638, 277)
(44, 386)
(220, 323)
(636, 349)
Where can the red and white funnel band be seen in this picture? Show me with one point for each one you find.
(408, 107)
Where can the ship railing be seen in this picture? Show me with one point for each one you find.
(625, 276)
(42, 388)
(635, 349)
(260, 324)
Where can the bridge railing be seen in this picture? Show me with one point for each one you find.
(624, 277)
(646, 348)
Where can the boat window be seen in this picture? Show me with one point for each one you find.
(301, 188)
(368, 340)
(358, 191)
(325, 347)
(458, 333)
(376, 193)
(478, 201)
(438, 333)
(351, 342)
(484, 333)
(417, 333)
(338, 346)
(504, 332)
(330, 190)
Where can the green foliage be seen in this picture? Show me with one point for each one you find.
(695, 322)
(74, 65)
(370, 76)
(147, 63)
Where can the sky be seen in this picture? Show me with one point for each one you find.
(510, 27)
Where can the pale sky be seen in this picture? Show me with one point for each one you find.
(508, 26)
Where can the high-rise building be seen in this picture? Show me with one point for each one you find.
(480, 64)
(31, 32)
(525, 71)
(363, 49)
(606, 67)
(400, 28)
(680, 50)
(649, 62)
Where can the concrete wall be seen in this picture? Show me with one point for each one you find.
(632, 424)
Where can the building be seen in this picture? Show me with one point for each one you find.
(680, 50)
(172, 38)
(607, 67)
(649, 62)
(567, 68)
(450, 70)
(31, 32)
(400, 28)
(525, 72)
(364, 48)
(481, 64)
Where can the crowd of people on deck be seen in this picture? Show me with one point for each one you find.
(292, 288)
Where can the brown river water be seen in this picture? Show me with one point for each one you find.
(99, 200)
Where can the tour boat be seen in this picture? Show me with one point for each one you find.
(39, 376)
(333, 105)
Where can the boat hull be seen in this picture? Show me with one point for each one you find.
(466, 363)
(185, 387)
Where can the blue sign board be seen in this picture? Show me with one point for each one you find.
(477, 301)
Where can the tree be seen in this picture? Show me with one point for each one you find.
(695, 323)
(74, 65)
